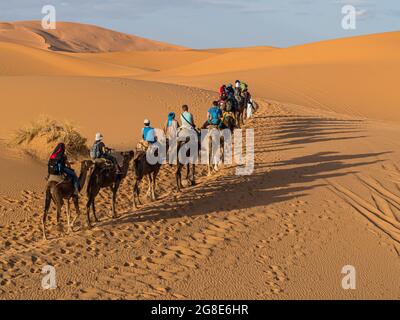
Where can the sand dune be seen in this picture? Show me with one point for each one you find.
(324, 194)
(152, 61)
(344, 75)
(76, 37)
(114, 106)
(18, 60)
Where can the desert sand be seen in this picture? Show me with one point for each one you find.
(325, 192)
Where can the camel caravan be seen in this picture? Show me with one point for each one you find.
(179, 144)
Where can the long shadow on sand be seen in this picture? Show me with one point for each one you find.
(288, 179)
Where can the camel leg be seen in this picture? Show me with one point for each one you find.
(94, 195)
(136, 192)
(238, 120)
(88, 205)
(154, 185)
(78, 211)
(114, 200)
(148, 194)
(193, 174)
(178, 176)
(46, 211)
(210, 157)
(68, 217)
(150, 191)
(94, 211)
(188, 173)
(59, 208)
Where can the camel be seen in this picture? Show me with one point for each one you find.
(246, 98)
(104, 176)
(241, 107)
(213, 162)
(58, 192)
(190, 166)
(229, 122)
(141, 169)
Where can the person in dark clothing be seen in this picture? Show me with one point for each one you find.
(230, 91)
(59, 163)
(100, 151)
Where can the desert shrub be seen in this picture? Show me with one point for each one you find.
(40, 137)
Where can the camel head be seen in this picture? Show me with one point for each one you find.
(86, 165)
(127, 155)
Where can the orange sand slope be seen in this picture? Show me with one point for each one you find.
(358, 75)
(324, 193)
(76, 37)
(114, 106)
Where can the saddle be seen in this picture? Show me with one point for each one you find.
(101, 162)
(142, 146)
(229, 114)
(103, 165)
(58, 179)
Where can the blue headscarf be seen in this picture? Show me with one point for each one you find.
(171, 116)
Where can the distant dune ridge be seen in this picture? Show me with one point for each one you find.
(77, 37)
(352, 75)
(325, 193)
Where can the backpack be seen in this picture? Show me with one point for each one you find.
(95, 151)
(54, 164)
(215, 115)
(53, 167)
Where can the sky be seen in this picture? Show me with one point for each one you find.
(219, 23)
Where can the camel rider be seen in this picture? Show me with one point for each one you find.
(222, 90)
(214, 116)
(229, 90)
(58, 165)
(238, 89)
(187, 119)
(171, 127)
(100, 151)
(148, 133)
(243, 86)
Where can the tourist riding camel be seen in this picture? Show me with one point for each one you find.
(100, 151)
(60, 188)
(171, 127)
(222, 90)
(142, 168)
(229, 90)
(214, 116)
(187, 119)
(243, 86)
(106, 177)
(149, 138)
(58, 165)
(237, 83)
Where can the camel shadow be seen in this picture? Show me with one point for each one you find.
(288, 179)
(228, 193)
(235, 193)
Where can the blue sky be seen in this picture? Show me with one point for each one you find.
(219, 23)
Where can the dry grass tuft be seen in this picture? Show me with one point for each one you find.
(41, 136)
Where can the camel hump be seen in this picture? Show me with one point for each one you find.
(56, 178)
(103, 163)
